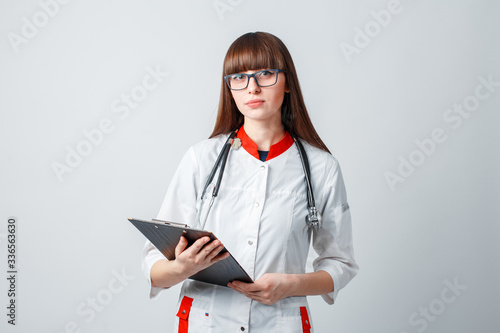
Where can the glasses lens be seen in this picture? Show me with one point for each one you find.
(266, 78)
(237, 81)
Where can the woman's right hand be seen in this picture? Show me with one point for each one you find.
(198, 256)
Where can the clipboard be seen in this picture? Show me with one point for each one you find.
(165, 235)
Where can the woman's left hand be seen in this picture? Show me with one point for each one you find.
(269, 289)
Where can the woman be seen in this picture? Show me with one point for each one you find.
(259, 212)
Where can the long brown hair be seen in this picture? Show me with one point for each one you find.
(256, 50)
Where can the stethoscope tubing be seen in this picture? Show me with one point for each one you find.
(222, 156)
(305, 165)
(313, 218)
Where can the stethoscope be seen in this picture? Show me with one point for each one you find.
(313, 217)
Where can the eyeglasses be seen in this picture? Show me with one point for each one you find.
(263, 78)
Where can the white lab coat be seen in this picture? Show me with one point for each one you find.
(259, 216)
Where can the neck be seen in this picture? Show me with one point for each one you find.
(264, 135)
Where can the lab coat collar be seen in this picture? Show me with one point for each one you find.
(275, 150)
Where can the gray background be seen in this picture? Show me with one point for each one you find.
(439, 226)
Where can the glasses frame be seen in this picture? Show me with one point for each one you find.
(226, 78)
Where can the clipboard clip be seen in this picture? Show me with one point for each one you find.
(175, 224)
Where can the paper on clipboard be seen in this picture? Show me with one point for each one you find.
(165, 236)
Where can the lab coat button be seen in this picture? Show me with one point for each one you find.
(250, 242)
(256, 204)
(262, 167)
(242, 328)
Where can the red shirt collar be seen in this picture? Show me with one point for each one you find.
(275, 150)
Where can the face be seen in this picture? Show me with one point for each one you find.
(261, 103)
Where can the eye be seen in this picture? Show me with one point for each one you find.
(237, 77)
(266, 73)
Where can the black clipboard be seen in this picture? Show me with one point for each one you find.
(165, 235)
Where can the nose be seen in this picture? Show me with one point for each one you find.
(253, 87)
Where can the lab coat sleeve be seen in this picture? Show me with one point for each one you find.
(333, 242)
(179, 205)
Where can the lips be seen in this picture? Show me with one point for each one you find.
(254, 103)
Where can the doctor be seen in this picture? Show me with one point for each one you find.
(260, 209)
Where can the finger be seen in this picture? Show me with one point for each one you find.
(181, 246)
(220, 257)
(213, 249)
(253, 295)
(210, 251)
(212, 246)
(247, 287)
(196, 247)
(236, 288)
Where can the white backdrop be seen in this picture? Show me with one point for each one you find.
(98, 104)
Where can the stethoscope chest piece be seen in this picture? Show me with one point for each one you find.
(314, 219)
